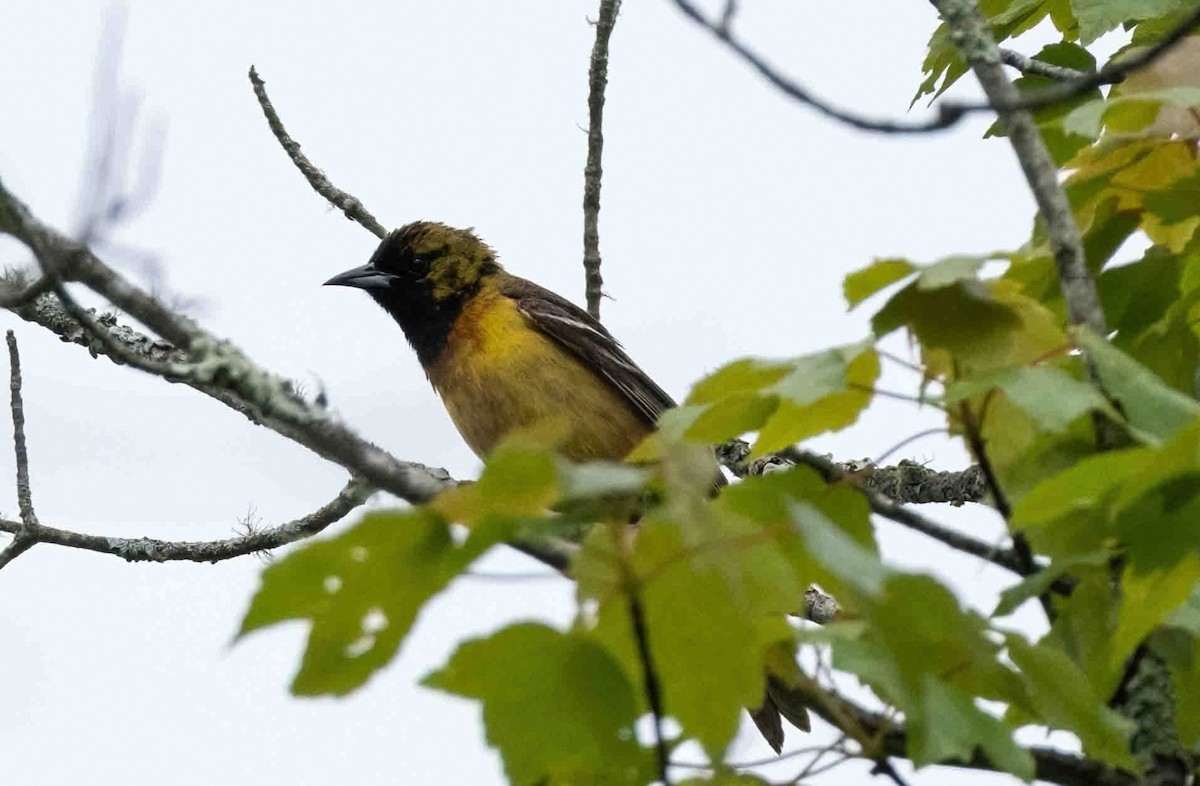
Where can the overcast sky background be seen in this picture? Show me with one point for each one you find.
(729, 217)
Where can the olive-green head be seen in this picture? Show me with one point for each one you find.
(421, 274)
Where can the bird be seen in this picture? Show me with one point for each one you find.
(505, 353)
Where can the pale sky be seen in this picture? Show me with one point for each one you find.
(730, 216)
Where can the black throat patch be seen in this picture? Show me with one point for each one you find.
(426, 322)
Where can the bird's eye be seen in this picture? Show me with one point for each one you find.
(420, 266)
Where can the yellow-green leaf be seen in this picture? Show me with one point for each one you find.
(861, 284)
(556, 706)
(361, 592)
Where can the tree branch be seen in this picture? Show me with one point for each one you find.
(25, 535)
(221, 370)
(971, 32)
(354, 210)
(592, 171)
(1033, 67)
(907, 482)
(891, 739)
(641, 635)
(733, 455)
(21, 293)
(353, 495)
(948, 113)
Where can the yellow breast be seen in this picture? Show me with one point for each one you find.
(498, 373)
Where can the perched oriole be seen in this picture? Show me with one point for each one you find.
(503, 352)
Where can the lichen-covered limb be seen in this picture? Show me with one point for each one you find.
(887, 493)
(350, 497)
(189, 355)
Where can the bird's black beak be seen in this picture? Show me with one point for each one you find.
(365, 277)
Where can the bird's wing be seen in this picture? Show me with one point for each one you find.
(589, 341)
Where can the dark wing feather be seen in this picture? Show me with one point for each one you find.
(588, 340)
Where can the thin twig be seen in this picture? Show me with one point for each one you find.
(24, 491)
(884, 767)
(593, 171)
(728, 15)
(1033, 67)
(900, 361)
(929, 432)
(885, 507)
(879, 494)
(813, 770)
(521, 576)
(641, 635)
(747, 765)
(1050, 764)
(973, 429)
(29, 530)
(25, 294)
(353, 495)
(1111, 73)
(948, 112)
(354, 210)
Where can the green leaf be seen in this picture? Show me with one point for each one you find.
(361, 591)
(1148, 597)
(944, 312)
(749, 375)
(1127, 113)
(556, 705)
(942, 67)
(1051, 396)
(826, 395)
(1034, 586)
(927, 633)
(1084, 625)
(600, 479)
(714, 590)
(855, 566)
(1158, 510)
(1065, 699)
(1097, 17)
(1137, 296)
(1187, 616)
(861, 284)
(950, 270)
(1063, 144)
(703, 609)
(1179, 649)
(1177, 202)
(1089, 485)
(951, 727)
(766, 500)
(1149, 404)
(1131, 116)
(516, 482)
(785, 401)
(1067, 55)
(732, 416)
